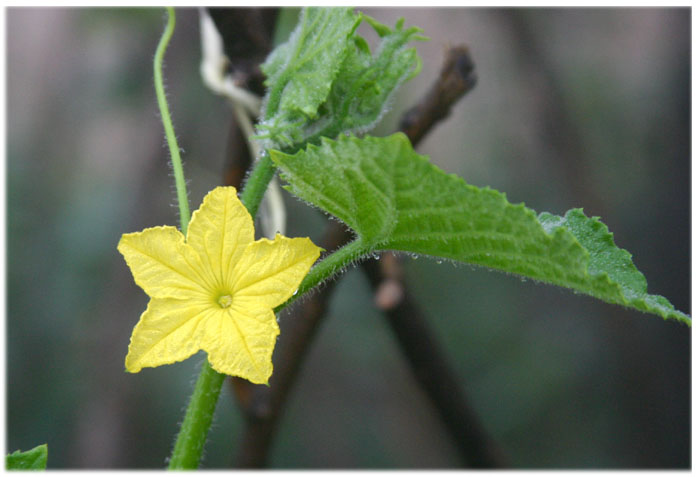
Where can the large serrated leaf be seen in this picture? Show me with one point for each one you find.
(350, 93)
(33, 459)
(395, 199)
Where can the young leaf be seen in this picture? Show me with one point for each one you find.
(34, 459)
(328, 96)
(395, 199)
(366, 82)
(300, 72)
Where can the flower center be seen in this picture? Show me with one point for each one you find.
(224, 301)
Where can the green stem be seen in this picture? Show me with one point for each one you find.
(328, 267)
(180, 184)
(256, 184)
(195, 427)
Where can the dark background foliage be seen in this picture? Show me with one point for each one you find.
(574, 108)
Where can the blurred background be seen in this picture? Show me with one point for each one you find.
(573, 108)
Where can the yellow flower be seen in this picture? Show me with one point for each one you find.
(214, 291)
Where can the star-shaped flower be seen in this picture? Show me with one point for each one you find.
(213, 291)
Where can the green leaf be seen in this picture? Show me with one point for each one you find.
(34, 459)
(330, 95)
(395, 199)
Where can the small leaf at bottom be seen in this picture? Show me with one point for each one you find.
(34, 459)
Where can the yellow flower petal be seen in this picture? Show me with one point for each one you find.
(215, 291)
(243, 343)
(162, 264)
(169, 330)
(220, 230)
(270, 271)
